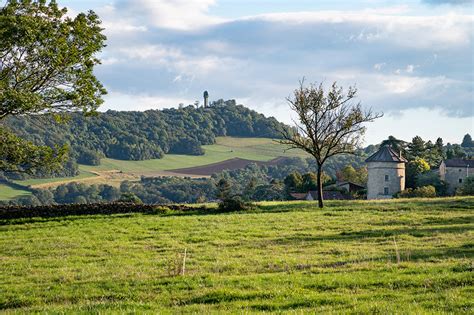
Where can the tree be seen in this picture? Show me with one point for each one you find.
(328, 124)
(293, 182)
(350, 174)
(396, 144)
(455, 151)
(414, 169)
(46, 67)
(310, 181)
(416, 148)
(223, 189)
(467, 141)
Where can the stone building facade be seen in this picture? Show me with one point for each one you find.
(454, 172)
(386, 173)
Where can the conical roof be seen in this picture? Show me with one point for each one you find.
(386, 154)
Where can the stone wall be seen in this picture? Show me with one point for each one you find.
(377, 182)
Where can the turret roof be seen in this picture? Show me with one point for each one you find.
(386, 154)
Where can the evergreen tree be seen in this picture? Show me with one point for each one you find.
(467, 141)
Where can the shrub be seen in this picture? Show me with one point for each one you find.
(234, 203)
(130, 198)
(420, 192)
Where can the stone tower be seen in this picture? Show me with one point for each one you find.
(206, 98)
(386, 171)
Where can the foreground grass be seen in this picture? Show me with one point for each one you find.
(280, 257)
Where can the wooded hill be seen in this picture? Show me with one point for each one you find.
(145, 135)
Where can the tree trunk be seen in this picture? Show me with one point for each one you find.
(320, 187)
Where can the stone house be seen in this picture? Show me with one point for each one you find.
(386, 173)
(454, 172)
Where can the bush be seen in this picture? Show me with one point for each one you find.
(235, 203)
(130, 198)
(420, 192)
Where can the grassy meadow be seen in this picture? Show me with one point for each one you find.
(397, 256)
(7, 192)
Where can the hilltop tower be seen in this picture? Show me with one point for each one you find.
(206, 98)
(386, 172)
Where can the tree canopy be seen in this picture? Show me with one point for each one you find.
(46, 67)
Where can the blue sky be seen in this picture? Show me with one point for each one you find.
(412, 60)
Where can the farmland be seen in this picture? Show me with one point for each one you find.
(409, 256)
(113, 172)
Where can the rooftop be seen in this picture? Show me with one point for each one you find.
(386, 154)
(459, 163)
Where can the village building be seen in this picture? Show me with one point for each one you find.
(349, 187)
(386, 173)
(455, 171)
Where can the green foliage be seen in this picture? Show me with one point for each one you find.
(130, 198)
(310, 181)
(282, 257)
(351, 174)
(293, 182)
(432, 178)
(396, 144)
(455, 151)
(48, 59)
(420, 192)
(19, 155)
(234, 203)
(413, 169)
(145, 135)
(467, 187)
(223, 189)
(467, 141)
(87, 156)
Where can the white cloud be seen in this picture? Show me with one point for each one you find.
(173, 14)
(441, 31)
(117, 100)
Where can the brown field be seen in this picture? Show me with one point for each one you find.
(230, 164)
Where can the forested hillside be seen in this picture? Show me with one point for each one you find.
(144, 135)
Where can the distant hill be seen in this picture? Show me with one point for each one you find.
(132, 135)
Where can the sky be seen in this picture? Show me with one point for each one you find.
(412, 60)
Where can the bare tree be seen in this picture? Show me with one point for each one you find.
(328, 123)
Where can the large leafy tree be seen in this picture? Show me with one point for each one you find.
(46, 67)
(329, 123)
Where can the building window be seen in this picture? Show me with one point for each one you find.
(386, 178)
(385, 190)
(460, 181)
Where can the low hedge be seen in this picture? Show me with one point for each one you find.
(19, 212)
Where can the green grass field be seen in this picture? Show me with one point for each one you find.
(259, 149)
(7, 192)
(280, 257)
